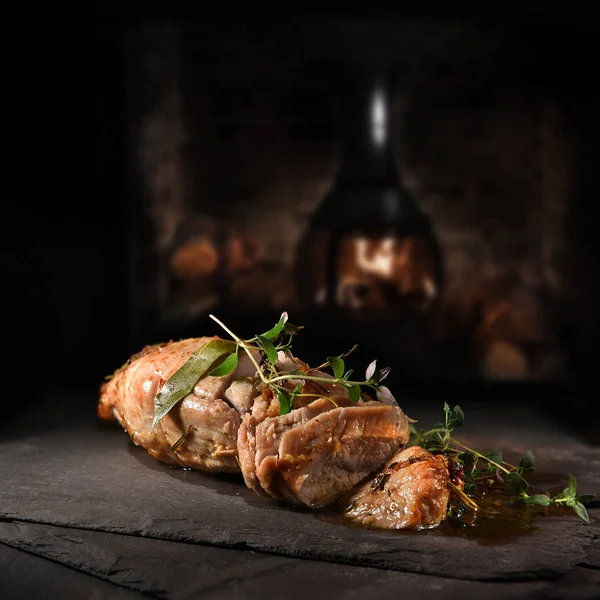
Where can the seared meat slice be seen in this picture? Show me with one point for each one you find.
(410, 492)
(268, 438)
(209, 423)
(266, 406)
(324, 458)
(319, 451)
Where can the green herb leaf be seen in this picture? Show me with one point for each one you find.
(413, 430)
(347, 375)
(291, 329)
(296, 391)
(572, 487)
(276, 331)
(354, 393)
(268, 347)
(496, 455)
(515, 483)
(182, 382)
(337, 366)
(285, 404)
(456, 418)
(538, 500)
(581, 512)
(527, 463)
(226, 367)
(446, 407)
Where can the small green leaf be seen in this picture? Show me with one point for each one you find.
(581, 512)
(586, 498)
(571, 502)
(468, 459)
(337, 366)
(296, 391)
(226, 367)
(268, 347)
(182, 382)
(354, 393)
(496, 455)
(347, 375)
(516, 483)
(285, 404)
(527, 463)
(538, 500)
(572, 487)
(292, 329)
(275, 331)
(457, 418)
(446, 407)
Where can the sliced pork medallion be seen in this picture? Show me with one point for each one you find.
(203, 427)
(266, 406)
(322, 459)
(267, 439)
(410, 492)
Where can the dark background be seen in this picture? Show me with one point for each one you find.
(68, 271)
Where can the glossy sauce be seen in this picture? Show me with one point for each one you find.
(499, 520)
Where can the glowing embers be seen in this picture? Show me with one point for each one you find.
(383, 273)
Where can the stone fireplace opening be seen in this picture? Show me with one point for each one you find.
(233, 141)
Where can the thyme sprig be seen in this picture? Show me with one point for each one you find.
(274, 346)
(268, 353)
(486, 471)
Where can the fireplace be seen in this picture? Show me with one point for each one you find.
(234, 141)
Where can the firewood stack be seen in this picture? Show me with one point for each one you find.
(515, 339)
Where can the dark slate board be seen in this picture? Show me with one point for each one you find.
(185, 572)
(90, 476)
(25, 576)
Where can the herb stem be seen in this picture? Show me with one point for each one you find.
(464, 498)
(244, 346)
(307, 377)
(326, 364)
(504, 469)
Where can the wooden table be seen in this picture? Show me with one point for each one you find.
(85, 514)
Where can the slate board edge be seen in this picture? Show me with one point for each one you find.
(378, 563)
(91, 572)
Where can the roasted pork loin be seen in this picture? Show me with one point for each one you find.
(310, 456)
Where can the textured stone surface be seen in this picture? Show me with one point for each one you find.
(89, 476)
(182, 571)
(26, 576)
